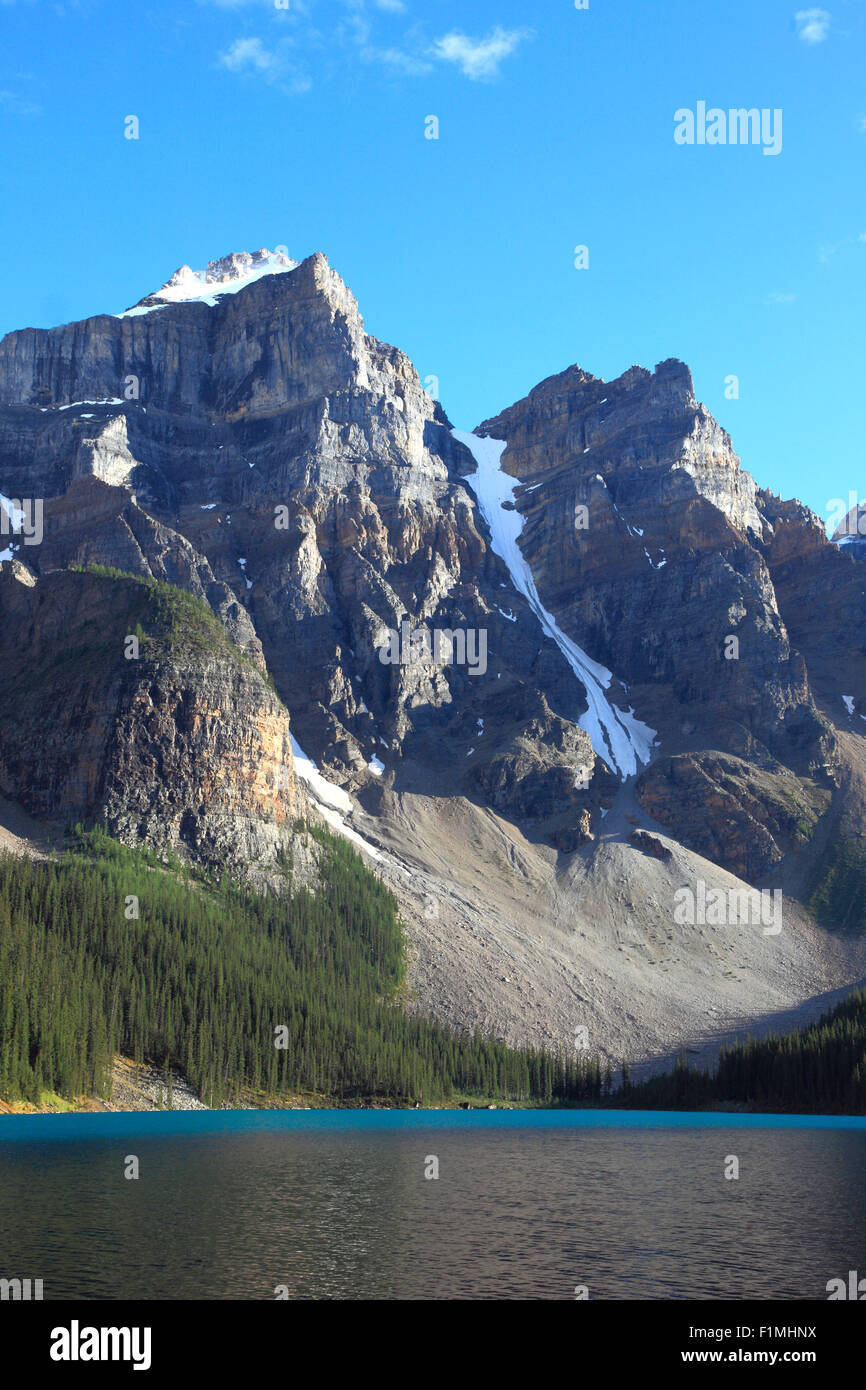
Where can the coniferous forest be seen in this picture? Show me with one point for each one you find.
(202, 979)
(820, 1069)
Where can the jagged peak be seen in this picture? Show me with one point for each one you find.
(224, 276)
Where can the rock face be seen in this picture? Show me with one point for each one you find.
(735, 813)
(291, 470)
(239, 436)
(650, 844)
(821, 592)
(184, 748)
(648, 543)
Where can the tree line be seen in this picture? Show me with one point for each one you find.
(819, 1069)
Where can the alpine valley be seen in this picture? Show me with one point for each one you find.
(549, 676)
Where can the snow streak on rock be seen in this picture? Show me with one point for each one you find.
(616, 736)
(332, 802)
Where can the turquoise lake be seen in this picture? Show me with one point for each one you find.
(526, 1205)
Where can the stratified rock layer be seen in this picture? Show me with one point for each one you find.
(182, 748)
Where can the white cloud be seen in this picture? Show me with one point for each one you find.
(392, 6)
(250, 56)
(16, 105)
(479, 59)
(812, 25)
(777, 298)
(246, 54)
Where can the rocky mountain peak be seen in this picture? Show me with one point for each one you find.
(230, 273)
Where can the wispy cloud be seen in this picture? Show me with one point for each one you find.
(412, 55)
(389, 6)
(397, 59)
(813, 25)
(294, 7)
(479, 59)
(780, 298)
(17, 105)
(829, 249)
(251, 57)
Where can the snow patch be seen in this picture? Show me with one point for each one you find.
(321, 789)
(228, 276)
(108, 400)
(331, 802)
(616, 736)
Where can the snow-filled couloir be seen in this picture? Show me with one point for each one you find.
(616, 736)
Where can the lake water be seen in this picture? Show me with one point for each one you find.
(335, 1204)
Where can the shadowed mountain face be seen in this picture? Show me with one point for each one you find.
(240, 436)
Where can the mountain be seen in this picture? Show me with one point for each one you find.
(646, 675)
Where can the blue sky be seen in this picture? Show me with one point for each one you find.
(305, 127)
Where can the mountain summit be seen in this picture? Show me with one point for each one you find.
(225, 276)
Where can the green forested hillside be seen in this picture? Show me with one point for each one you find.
(816, 1070)
(200, 980)
(206, 973)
